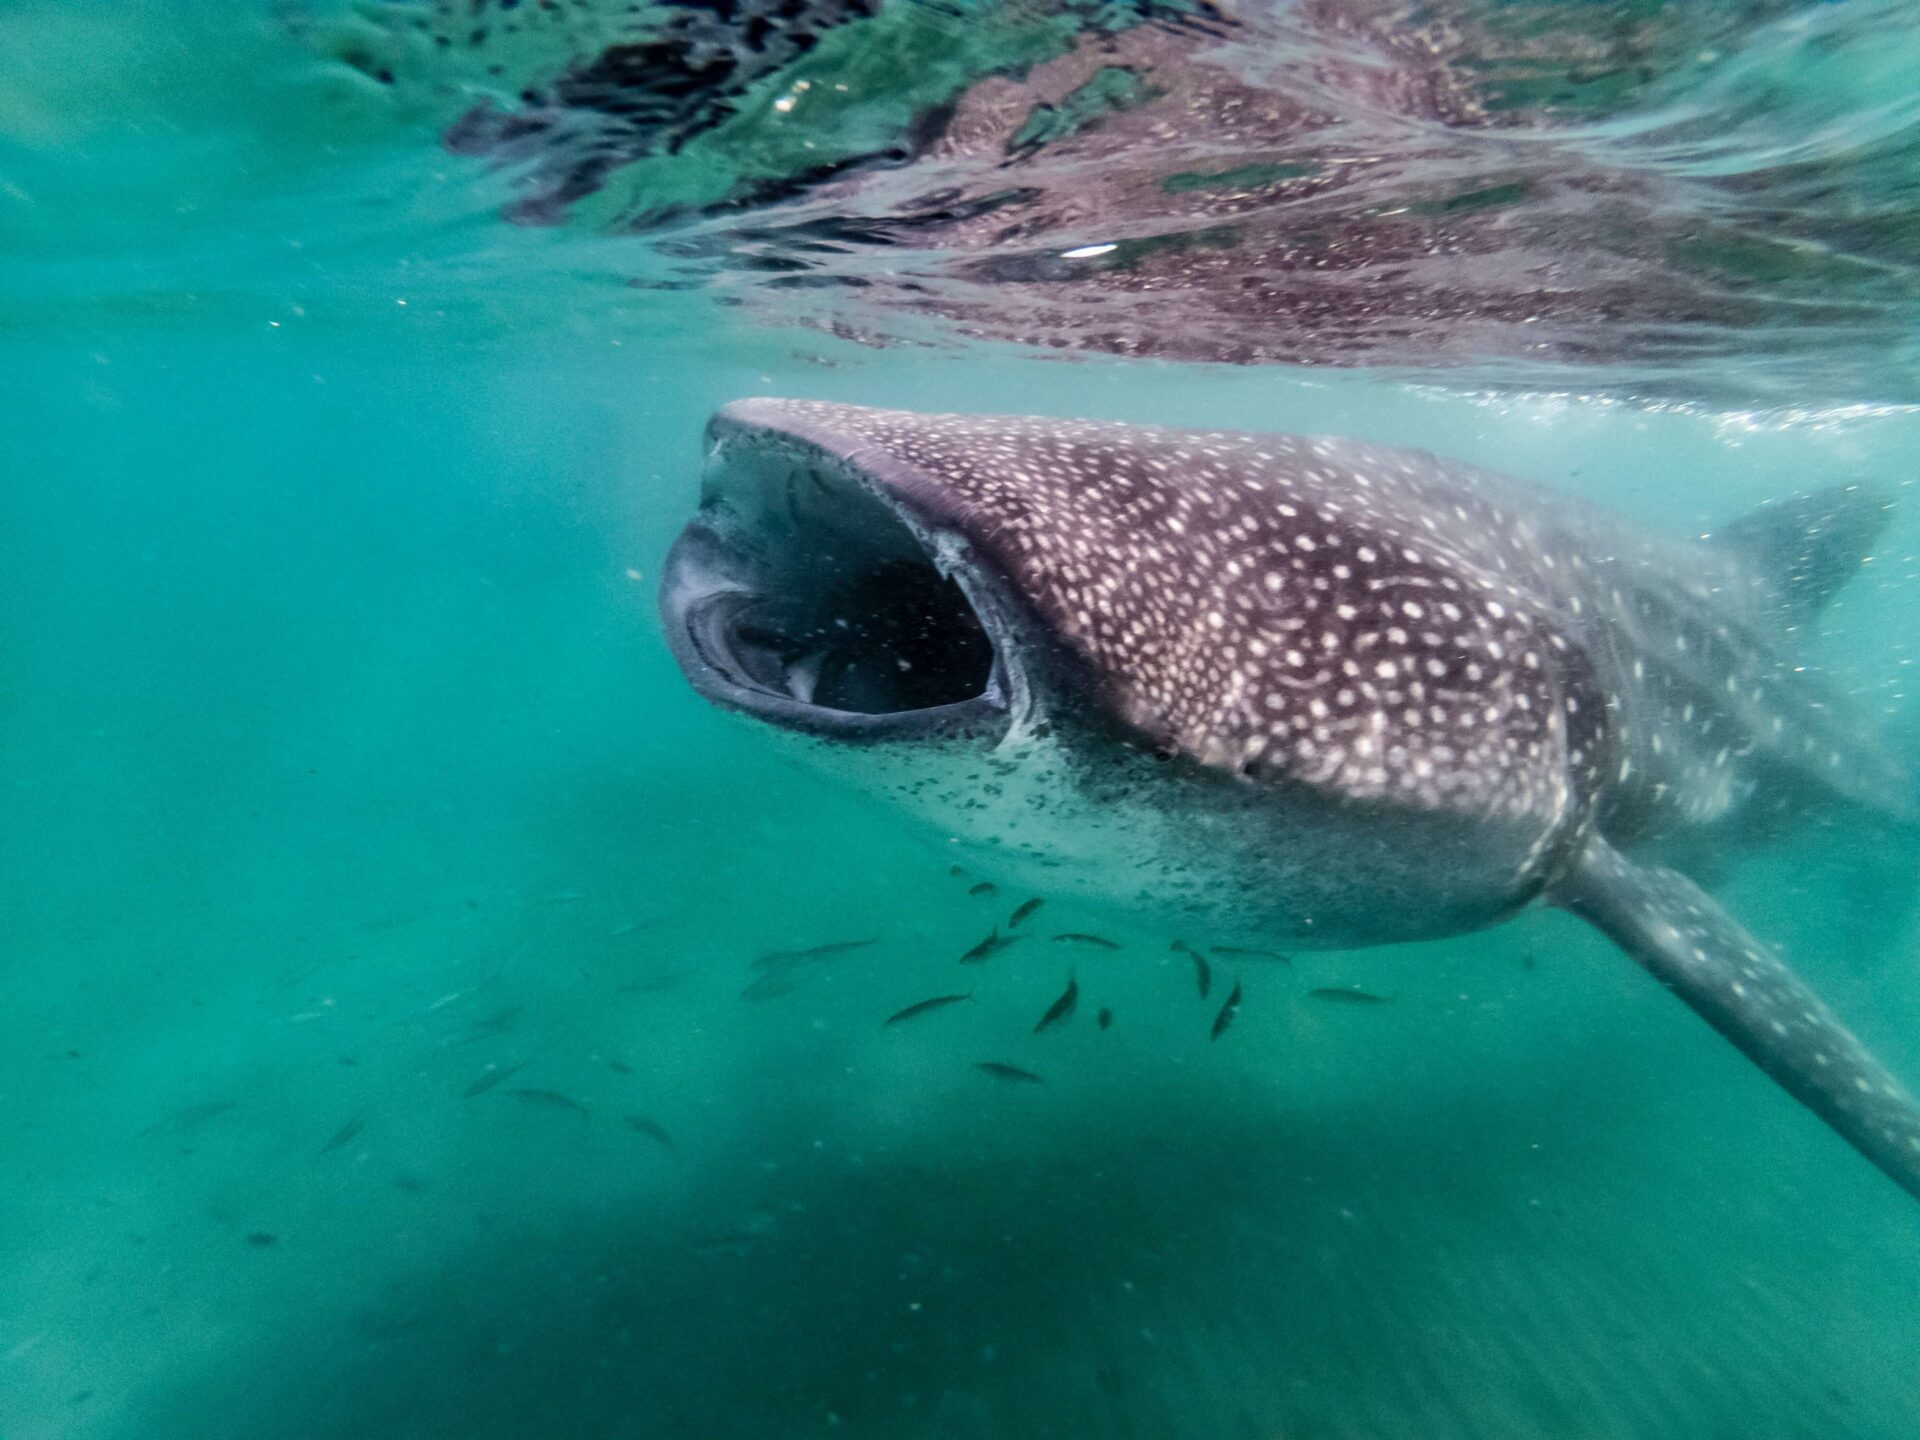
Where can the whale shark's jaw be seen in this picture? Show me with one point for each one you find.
(811, 594)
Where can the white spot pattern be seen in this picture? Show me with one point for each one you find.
(1546, 652)
(1183, 568)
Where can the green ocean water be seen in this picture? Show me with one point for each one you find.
(376, 899)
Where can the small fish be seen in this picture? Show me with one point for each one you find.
(728, 1242)
(787, 959)
(263, 1239)
(1105, 1017)
(655, 984)
(290, 978)
(492, 1077)
(1241, 952)
(1025, 910)
(921, 1007)
(985, 887)
(992, 945)
(1529, 962)
(1227, 1013)
(957, 871)
(651, 1129)
(382, 924)
(1074, 937)
(1341, 995)
(629, 927)
(379, 1327)
(495, 1024)
(1202, 971)
(1061, 1009)
(190, 1117)
(1001, 1071)
(347, 1132)
(619, 1067)
(551, 1099)
(772, 987)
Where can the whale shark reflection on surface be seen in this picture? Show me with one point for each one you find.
(1630, 191)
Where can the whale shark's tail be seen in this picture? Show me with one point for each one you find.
(1741, 988)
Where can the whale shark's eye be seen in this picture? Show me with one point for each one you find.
(806, 599)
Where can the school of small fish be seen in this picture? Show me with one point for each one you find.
(781, 972)
(1064, 1007)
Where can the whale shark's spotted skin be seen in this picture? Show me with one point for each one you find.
(1410, 696)
(1378, 621)
(1258, 614)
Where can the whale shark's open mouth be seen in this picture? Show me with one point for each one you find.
(809, 594)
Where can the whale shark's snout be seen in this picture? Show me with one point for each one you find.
(838, 599)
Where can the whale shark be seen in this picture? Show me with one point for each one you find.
(1307, 690)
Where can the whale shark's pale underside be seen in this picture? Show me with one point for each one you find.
(1313, 691)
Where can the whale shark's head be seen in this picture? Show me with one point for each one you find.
(1134, 652)
(834, 588)
(857, 574)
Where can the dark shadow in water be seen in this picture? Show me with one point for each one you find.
(1336, 1276)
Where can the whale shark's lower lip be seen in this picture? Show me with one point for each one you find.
(808, 594)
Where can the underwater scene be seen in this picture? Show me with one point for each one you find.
(943, 719)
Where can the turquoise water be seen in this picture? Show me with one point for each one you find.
(345, 771)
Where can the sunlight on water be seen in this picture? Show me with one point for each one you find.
(392, 1046)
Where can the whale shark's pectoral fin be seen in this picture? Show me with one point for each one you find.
(1738, 986)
